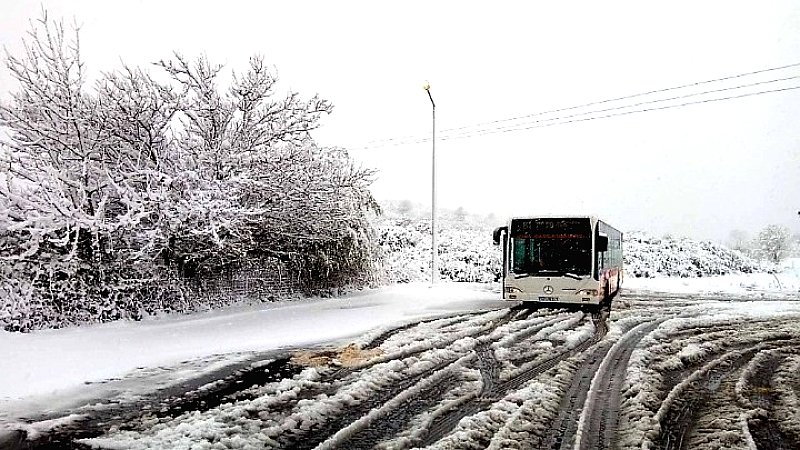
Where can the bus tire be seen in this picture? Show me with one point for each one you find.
(533, 306)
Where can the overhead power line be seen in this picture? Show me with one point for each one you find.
(572, 118)
(628, 97)
(479, 129)
(542, 125)
(523, 126)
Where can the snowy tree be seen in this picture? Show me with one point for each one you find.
(281, 194)
(405, 207)
(774, 241)
(62, 201)
(106, 190)
(739, 240)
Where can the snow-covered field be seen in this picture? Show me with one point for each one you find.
(51, 378)
(785, 283)
(52, 367)
(453, 383)
(65, 373)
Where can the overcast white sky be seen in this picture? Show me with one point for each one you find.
(699, 170)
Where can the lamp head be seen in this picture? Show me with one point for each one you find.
(426, 86)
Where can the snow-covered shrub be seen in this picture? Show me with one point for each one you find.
(105, 192)
(466, 252)
(774, 242)
(649, 257)
(465, 249)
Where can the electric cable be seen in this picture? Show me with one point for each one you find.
(408, 140)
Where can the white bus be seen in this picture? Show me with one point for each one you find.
(552, 261)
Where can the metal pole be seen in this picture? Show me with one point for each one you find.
(434, 247)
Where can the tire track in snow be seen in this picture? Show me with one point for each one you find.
(316, 435)
(564, 427)
(597, 426)
(675, 365)
(383, 421)
(349, 424)
(448, 422)
(383, 337)
(197, 394)
(388, 422)
(760, 393)
(335, 377)
(685, 401)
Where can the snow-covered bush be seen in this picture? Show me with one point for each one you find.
(774, 242)
(106, 192)
(649, 257)
(466, 252)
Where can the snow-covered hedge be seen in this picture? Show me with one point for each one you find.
(108, 189)
(466, 253)
(649, 257)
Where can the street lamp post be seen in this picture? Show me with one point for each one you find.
(434, 249)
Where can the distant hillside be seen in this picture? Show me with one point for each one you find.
(466, 252)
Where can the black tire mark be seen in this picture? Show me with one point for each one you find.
(514, 313)
(315, 435)
(523, 335)
(765, 431)
(397, 419)
(680, 416)
(604, 419)
(671, 378)
(489, 367)
(319, 434)
(230, 381)
(444, 424)
(528, 374)
(383, 337)
(565, 424)
(490, 372)
(680, 420)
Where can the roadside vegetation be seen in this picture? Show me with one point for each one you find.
(120, 197)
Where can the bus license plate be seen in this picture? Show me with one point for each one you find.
(548, 299)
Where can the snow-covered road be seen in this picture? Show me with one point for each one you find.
(658, 371)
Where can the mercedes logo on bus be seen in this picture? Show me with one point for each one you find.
(548, 289)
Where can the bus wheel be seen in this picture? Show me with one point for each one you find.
(605, 305)
(533, 306)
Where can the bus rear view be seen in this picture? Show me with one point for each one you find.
(560, 260)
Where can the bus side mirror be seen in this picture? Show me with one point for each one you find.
(602, 243)
(497, 234)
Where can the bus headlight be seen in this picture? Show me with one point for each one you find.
(592, 292)
(512, 290)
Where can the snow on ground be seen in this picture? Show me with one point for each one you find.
(668, 350)
(49, 369)
(785, 282)
(59, 369)
(516, 417)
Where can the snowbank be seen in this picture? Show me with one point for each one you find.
(785, 282)
(83, 357)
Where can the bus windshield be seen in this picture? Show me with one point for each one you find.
(551, 247)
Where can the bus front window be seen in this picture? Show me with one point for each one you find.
(552, 256)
